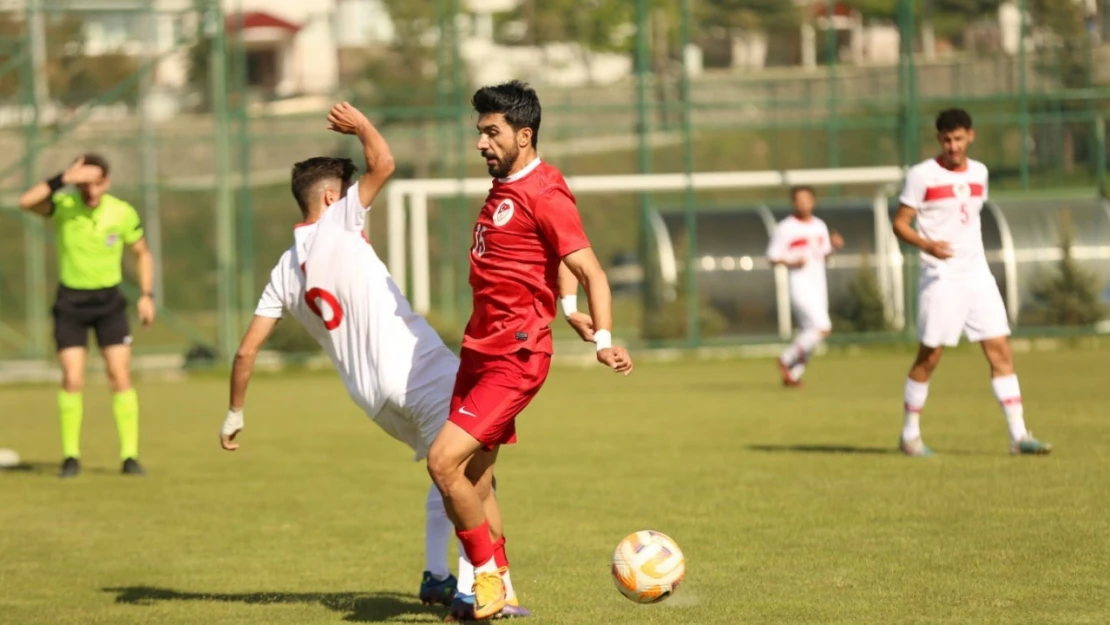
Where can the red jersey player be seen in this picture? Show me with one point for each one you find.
(528, 236)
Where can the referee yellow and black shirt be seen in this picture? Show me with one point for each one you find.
(90, 242)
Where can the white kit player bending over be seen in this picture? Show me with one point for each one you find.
(801, 242)
(956, 291)
(392, 363)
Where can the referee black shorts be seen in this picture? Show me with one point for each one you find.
(104, 311)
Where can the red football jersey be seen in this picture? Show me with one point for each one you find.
(527, 225)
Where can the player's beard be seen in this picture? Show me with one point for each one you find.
(502, 166)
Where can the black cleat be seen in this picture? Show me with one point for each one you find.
(70, 467)
(131, 466)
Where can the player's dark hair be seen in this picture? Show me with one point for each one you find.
(801, 188)
(953, 119)
(96, 160)
(516, 101)
(310, 173)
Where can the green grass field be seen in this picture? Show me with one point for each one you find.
(791, 506)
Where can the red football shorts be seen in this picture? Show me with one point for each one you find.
(490, 391)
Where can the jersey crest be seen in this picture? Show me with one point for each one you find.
(962, 190)
(504, 213)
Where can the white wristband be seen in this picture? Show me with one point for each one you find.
(233, 423)
(603, 339)
(570, 304)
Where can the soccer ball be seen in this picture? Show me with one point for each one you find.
(648, 566)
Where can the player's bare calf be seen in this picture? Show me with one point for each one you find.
(998, 353)
(457, 466)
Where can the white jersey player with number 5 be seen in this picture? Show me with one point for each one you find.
(392, 363)
(957, 294)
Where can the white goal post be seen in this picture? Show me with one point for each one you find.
(408, 202)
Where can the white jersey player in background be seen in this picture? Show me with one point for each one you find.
(392, 363)
(802, 242)
(957, 294)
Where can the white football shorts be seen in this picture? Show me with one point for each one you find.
(811, 311)
(417, 417)
(948, 308)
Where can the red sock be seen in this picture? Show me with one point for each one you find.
(499, 556)
(477, 544)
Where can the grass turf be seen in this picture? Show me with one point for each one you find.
(791, 506)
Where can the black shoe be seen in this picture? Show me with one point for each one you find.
(131, 466)
(70, 467)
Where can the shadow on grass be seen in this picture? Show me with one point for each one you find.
(50, 469)
(823, 449)
(849, 449)
(358, 607)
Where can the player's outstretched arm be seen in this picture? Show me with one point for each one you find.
(348, 120)
(38, 199)
(584, 266)
(241, 369)
(904, 230)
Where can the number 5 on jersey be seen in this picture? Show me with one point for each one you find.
(313, 296)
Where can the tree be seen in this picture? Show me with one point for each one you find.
(199, 56)
(767, 15)
(1065, 59)
(719, 22)
(595, 24)
(957, 9)
(670, 322)
(863, 310)
(90, 77)
(950, 18)
(10, 28)
(1070, 295)
(418, 80)
(1071, 45)
(72, 77)
(405, 74)
(197, 75)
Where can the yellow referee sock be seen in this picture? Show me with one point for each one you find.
(125, 405)
(70, 409)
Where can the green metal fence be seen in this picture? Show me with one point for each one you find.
(177, 98)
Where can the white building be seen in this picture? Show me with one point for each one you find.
(290, 44)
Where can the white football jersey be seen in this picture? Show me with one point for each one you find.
(793, 240)
(948, 204)
(334, 284)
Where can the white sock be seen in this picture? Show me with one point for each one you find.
(466, 573)
(797, 371)
(799, 352)
(789, 356)
(489, 567)
(509, 592)
(913, 400)
(808, 341)
(1008, 393)
(438, 531)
